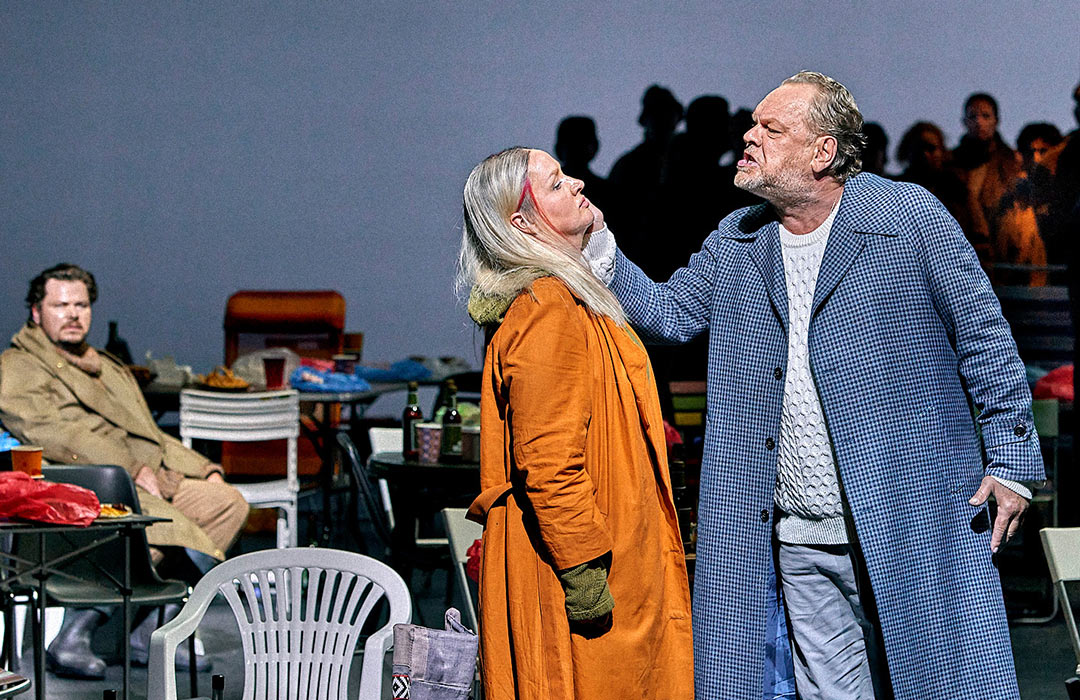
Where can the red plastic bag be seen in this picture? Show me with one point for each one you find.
(472, 561)
(22, 496)
(1056, 384)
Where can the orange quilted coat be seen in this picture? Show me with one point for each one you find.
(573, 466)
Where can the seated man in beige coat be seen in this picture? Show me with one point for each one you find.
(84, 407)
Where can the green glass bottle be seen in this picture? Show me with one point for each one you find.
(450, 447)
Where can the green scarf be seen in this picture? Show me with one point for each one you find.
(488, 310)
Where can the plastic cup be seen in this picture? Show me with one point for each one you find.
(428, 440)
(26, 459)
(470, 443)
(345, 364)
(274, 368)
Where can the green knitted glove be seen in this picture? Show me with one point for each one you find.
(587, 594)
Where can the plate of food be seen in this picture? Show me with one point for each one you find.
(115, 510)
(221, 379)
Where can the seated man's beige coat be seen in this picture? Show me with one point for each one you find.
(79, 418)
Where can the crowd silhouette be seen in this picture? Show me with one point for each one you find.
(1020, 209)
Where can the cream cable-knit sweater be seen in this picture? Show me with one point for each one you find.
(807, 487)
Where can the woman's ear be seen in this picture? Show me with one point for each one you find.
(518, 221)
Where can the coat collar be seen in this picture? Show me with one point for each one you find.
(88, 390)
(866, 208)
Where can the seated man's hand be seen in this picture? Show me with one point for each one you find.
(148, 481)
(216, 476)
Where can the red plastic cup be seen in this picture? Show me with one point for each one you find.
(274, 368)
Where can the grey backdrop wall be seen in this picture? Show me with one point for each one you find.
(182, 151)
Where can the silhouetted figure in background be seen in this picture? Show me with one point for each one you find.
(875, 155)
(1066, 230)
(634, 181)
(698, 190)
(575, 146)
(922, 150)
(987, 165)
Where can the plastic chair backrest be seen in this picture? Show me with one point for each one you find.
(1045, 414)
(365, 487)
(310, 322)
(1062, 548)
(385, 439)
(112, 484)
(300, 612)
(462, 533)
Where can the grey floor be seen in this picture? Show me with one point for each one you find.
(1044, 657)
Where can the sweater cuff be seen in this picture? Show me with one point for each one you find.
(1014, 486)
(600, 254)
(587, 594)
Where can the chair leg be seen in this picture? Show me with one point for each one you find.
(289, 517)
(193, 671)
(7, 658)
(282, 528)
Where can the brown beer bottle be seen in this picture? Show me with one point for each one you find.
(409, 418)
(450, 448)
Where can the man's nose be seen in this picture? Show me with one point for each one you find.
(748, 137)
(576, 185)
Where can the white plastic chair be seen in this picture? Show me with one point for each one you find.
(385, 440)
(300, 612)
(1062, 547)
(462, 533)
(251, 417)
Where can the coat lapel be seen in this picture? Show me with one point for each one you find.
(843, 247)
(91, 392)
(766, 254)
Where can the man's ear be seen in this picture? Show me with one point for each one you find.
(35, 313)
(824, 154)
(518, 221)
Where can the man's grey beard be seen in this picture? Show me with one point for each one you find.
(775, 192)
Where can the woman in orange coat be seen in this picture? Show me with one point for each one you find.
(583, 587)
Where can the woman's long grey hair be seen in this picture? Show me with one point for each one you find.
(502, 261)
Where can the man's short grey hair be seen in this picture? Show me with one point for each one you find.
(833, 112)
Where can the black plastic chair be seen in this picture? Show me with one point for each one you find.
(112, 484)
(365, 497)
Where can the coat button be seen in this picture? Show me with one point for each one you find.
(778, 373)
(769, 443)
(764, 515)
(1019, 430)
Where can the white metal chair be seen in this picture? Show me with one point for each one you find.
(251, 417)
(1062, 547)
(462, 533)
(300, 612)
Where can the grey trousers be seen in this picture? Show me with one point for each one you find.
(830, 628)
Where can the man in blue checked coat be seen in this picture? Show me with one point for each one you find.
(852, 336)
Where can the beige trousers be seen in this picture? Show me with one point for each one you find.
(217, 508)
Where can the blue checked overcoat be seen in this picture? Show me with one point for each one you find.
(905, 330)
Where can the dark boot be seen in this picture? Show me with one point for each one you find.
(70, 653)
(140, 642)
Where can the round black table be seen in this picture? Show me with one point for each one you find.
(420, 490)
